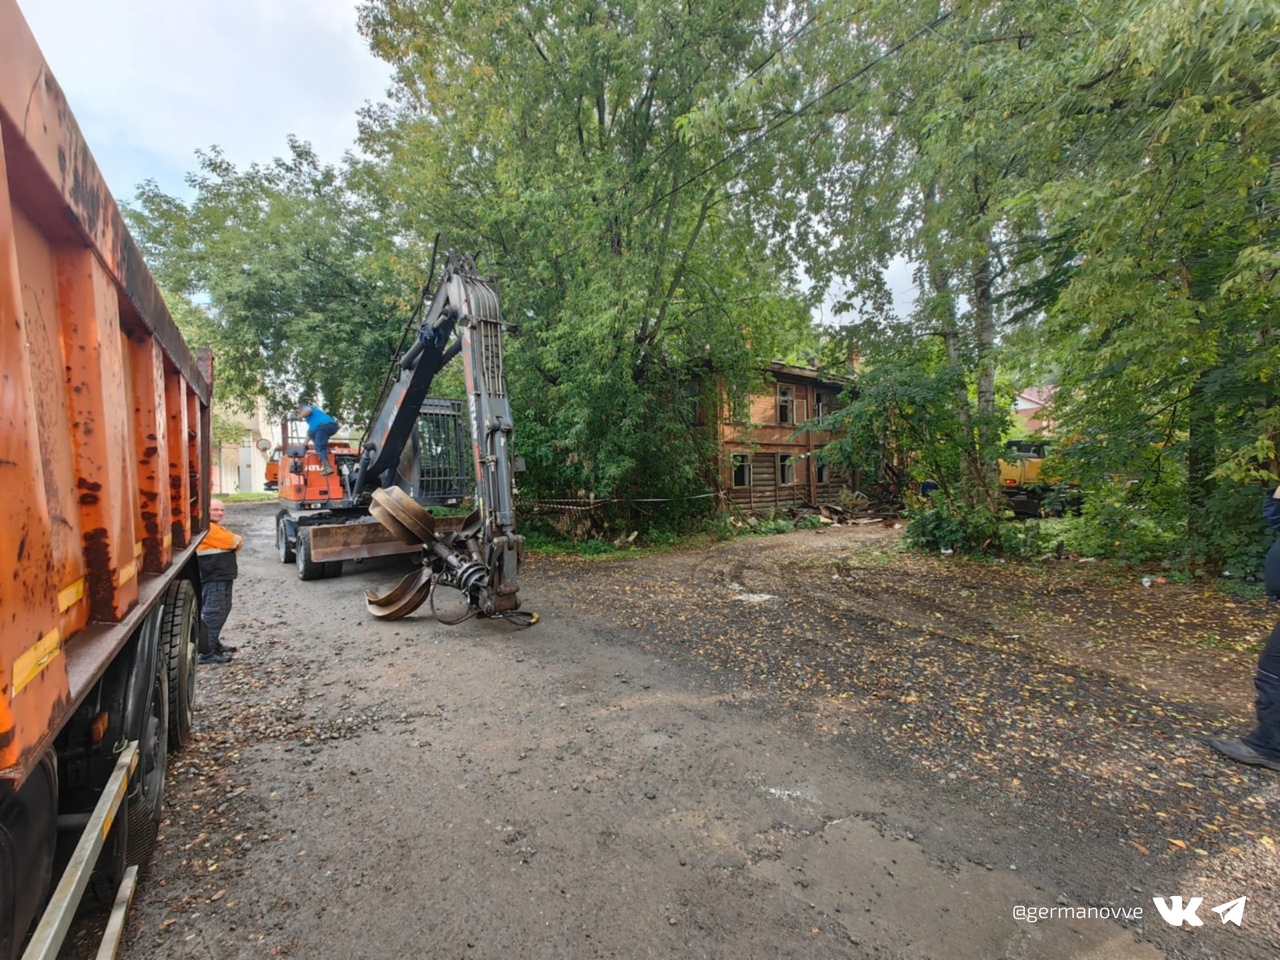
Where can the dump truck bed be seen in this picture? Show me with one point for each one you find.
(104, 416)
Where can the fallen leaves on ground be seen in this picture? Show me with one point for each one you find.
(1071, 688)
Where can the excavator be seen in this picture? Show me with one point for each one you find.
(411, 457)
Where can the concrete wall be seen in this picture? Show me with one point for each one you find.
(241, 467)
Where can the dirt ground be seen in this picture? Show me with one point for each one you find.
(811, 745)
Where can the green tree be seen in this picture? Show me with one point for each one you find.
(1161, 270)
(284, 271)
(913, 118)
(901, 424)
(1093, 180)
(547, 136)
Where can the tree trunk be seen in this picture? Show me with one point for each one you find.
(1201, 458)
(984, 333)
(949, 327)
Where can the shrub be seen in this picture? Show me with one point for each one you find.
(974, 531)
(769, 527)
(657, 537)
(720, 527)
(1121, 522)
(953, 528)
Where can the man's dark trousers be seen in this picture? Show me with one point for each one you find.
(1266, 737)
(215, 609)
(321, 439)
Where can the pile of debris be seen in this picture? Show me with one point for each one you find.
(859, 513)
(872, 512)
(855, 507)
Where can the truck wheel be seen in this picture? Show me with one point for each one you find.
(179, 635)
(308, 569)
(283, 546)
(333, 568)
(146, 791)
(30, 853)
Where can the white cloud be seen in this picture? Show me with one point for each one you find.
(151, 81)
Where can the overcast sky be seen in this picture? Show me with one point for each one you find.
(151, 81)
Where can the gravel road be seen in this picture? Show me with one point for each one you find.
(578, 789)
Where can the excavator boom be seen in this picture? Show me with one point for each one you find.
(482, 558)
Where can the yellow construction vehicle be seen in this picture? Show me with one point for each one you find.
(1023, 481)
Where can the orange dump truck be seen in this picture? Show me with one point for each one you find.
(104, 473)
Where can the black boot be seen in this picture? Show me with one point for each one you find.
(1241, 752)
(1261, 748)
(215, 657)
(1266, 736)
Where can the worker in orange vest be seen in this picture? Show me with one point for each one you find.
(218, 571)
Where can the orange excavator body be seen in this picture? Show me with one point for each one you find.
(301, 483)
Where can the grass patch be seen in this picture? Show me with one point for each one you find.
(463, 511)
(540, 542)
(1214, 642)
(1241, 589)
(876, 555)
(245, 497)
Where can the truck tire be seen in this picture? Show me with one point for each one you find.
(308, 569)
(179, 637)
(29, 862)
(333, 568)
(283, 547)
(146, 789)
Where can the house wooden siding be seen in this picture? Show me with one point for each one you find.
(765, 442)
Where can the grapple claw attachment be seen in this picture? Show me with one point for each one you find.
(402, 599)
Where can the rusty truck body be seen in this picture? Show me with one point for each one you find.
(104, 468)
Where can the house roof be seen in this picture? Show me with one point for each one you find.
(777, 367)
(1037, 395)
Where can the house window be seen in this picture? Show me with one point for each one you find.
(786, 469)
(819, 407)
(784, 405)
(741, 470)
(822, 472)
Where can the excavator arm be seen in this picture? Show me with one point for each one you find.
(480, 559)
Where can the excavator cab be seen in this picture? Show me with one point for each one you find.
(301, 484)
(331, 523)
(444, 476)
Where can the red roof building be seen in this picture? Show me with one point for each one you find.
(1030, 410)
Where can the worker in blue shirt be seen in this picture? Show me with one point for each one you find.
(320, 427)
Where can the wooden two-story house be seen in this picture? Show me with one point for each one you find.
(765, 463)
